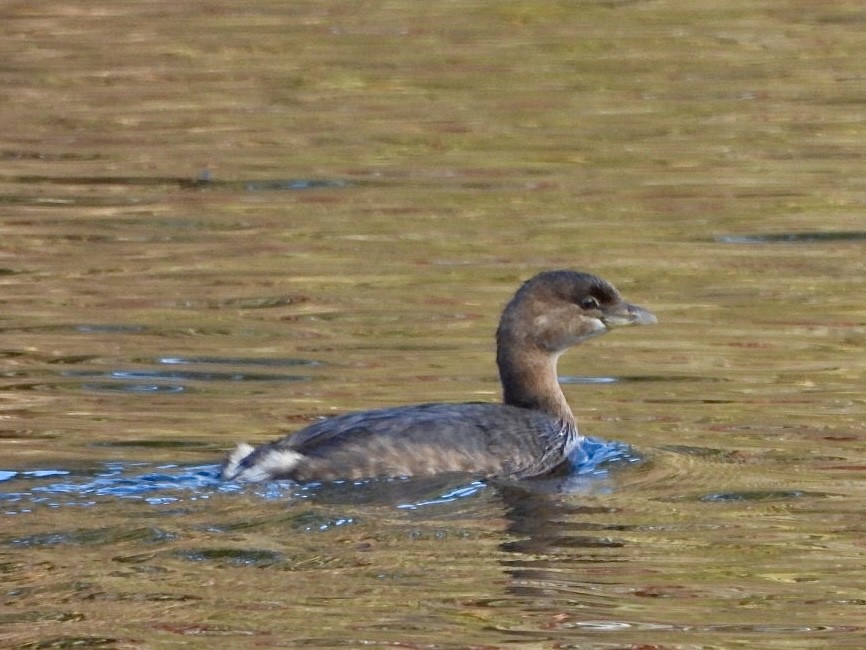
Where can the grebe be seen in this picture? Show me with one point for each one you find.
(532, 433)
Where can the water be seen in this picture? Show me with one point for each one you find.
(28, 490)
(217, 225)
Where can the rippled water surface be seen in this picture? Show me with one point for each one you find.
(219, 222)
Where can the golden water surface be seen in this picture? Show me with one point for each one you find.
(219, 220)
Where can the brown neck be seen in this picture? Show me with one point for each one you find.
(529, 380)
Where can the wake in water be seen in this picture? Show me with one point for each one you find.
(23, 491)
(155, 484)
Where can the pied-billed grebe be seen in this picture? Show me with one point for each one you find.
(531, 434)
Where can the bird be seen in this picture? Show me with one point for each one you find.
(532, 433)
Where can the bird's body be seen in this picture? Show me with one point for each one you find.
(421, 439)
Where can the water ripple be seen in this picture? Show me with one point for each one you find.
(807, 237)
(204, 181)
(164, 484)
(175, 381)
(266, 362)
(185, 375)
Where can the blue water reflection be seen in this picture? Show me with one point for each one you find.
(165, 484)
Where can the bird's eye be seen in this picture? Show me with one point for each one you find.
(588, 303)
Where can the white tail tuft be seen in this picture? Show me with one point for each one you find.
(230, 467)
(269, 464)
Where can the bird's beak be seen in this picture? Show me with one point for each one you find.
(625, 314)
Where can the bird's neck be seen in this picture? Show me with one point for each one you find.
(529, 380)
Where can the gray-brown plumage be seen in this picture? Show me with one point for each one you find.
(531, 434)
